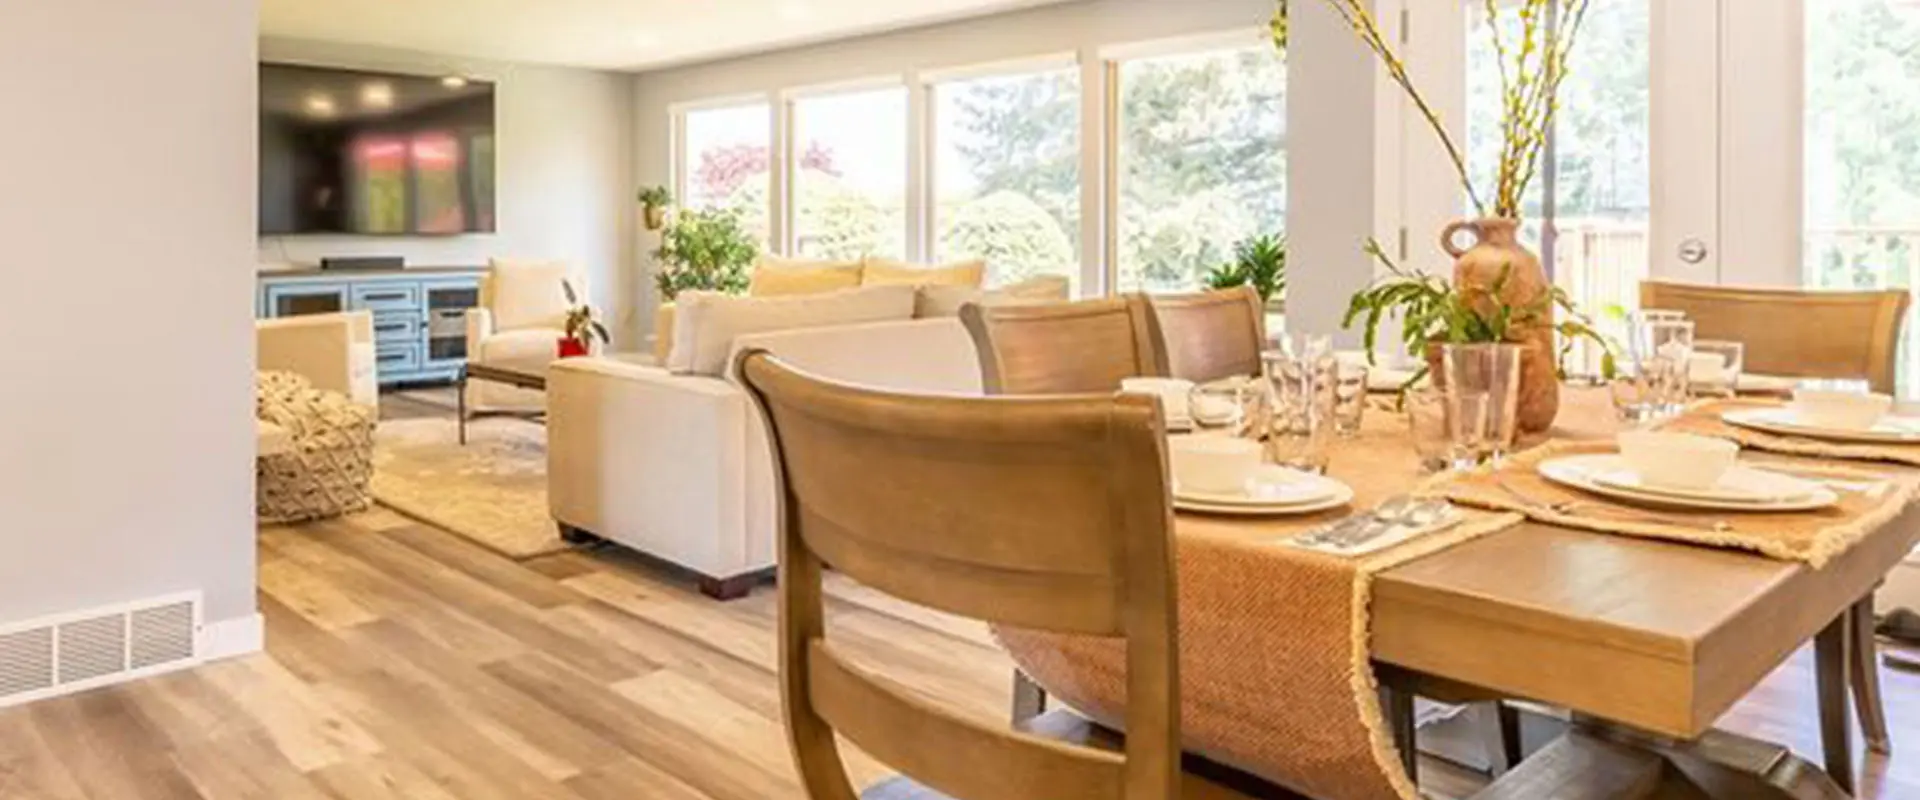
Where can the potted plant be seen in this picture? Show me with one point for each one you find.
(1258, 261)
(708, 250)
(1533, 48)
(583, 326)
(654, 201)
(1433, 312)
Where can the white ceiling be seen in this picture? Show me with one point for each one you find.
(604, 34)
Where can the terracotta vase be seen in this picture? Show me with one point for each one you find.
(1496, 250)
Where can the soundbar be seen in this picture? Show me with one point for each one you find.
(364, 262)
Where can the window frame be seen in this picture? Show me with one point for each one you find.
(678, 172)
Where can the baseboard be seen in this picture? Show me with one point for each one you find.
(232, 638)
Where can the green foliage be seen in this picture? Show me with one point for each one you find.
(657, 196)
(1259, 261)
(1015, 236)
(705, 249)
(583, 323)
(1430, 310)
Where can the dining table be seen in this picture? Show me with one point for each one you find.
(1644, 642)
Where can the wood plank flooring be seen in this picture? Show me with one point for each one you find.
(404, 663)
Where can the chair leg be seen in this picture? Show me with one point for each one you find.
(1864, 674)
(1029, 700)
(1830, 673)
(1397, 706)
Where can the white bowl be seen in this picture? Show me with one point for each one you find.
(1839, 408)
(1678, 460)
(1173, 393)
(1213, 464)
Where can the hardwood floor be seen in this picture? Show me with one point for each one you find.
(404, 663)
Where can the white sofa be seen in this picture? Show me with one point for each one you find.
(677, 466)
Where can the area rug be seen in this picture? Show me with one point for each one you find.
(493, 490)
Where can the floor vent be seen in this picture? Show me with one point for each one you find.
(74, 652)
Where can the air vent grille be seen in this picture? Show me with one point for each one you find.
(73, 652)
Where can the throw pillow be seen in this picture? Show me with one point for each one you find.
(883, 271)
(706, 323)
(527, 294)
(779, 277)
(945, 301)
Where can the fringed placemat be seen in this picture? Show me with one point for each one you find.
(1276, 675)
(1704, 419)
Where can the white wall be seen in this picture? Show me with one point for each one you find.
(565, 188)
(126, 433)
(1084, 28)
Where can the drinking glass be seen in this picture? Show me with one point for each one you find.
(1662, 350)
(1449, 429)
(1715, 366)
(1349, 396)
(1237, 405)
(1301, 423)
(1494, 370)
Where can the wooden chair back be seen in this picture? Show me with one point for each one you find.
(1211, 335)
(1087, 346)
(1043, 513)
(1794, 333)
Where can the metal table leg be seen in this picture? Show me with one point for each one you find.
(460, 403)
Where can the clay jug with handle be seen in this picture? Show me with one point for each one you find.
(1496, 250)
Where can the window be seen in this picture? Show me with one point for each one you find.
(850, 174)
(1007, 173)
(726, 161)
(1201, 162)
(1863, 152)
(1599, 179)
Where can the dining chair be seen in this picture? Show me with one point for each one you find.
(1795, 333)
(1809, 334)
(1064, 348)
(1210, 335)
(1048, 514)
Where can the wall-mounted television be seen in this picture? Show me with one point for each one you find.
(374, 154)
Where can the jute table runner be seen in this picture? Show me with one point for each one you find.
(1275, 669)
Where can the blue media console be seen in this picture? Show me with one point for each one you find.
(419, 313)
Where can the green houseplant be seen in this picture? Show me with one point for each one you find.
(1258, 261)
(706, 250)
(583, 325)
(654, 201)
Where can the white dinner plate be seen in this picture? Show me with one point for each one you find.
(1324, 493)
(1270, 485)
(1739, 485)
(1585, 472)
(1890, 429)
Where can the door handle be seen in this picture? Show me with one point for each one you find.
(1693, 250)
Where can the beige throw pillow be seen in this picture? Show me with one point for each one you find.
(774, 276)
(706, 323)
(527, 294)
(884, 271)
(945, 301)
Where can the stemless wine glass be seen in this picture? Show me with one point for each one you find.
(1449, 429)
(1662, 350)
(1236, 405)
(1301, 423)
(1715, 366)
(1349, 396)
(1492, 369)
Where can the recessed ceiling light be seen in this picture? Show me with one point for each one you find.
(377, 95)
(319, 105)
(454, 82)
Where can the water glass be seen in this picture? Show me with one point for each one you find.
(1449, 429)
(1349, 397)
(1300, 427)
(1493, 370)
(1662, 352)
(1716, 366)
(1236, 405)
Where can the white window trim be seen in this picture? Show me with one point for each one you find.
(1052, 62)
(677, 142)
(1230, 39)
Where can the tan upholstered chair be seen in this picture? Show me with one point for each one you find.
(1045, 513)
(1809, 334)
(1211, 335)
(1801, 334)
(1064, 348)
(522, 315)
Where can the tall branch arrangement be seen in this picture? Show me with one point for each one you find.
(1532, 59)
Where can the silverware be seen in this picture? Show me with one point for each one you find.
(1571, 508)
(1366, 526)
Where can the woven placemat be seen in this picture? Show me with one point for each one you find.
(1704, 419)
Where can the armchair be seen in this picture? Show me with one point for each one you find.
(334, 352)
(522, 314)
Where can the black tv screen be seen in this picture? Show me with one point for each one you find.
(370, 153)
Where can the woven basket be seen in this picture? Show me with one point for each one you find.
(327, 471)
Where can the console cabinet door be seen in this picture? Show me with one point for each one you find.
(296, 299)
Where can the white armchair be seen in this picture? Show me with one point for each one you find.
(334, 352)
(522, 314)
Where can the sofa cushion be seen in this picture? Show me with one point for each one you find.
(884, 271)
(945, 301)
(774, 276)
(527, 294)
(706, 323)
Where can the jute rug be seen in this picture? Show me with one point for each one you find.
(493, 490)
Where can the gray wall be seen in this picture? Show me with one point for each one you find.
(565, 174)
(126, 432)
